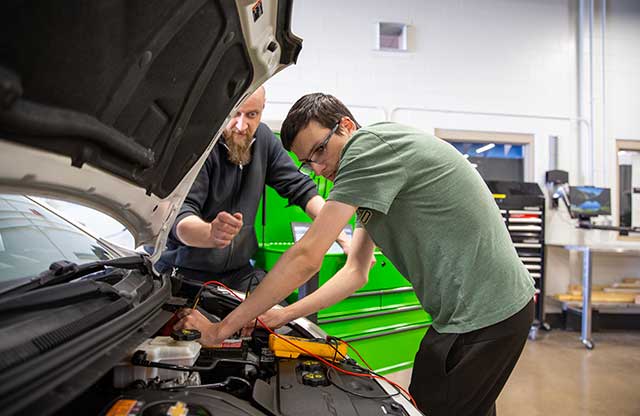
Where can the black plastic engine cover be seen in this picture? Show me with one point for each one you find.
(286, 395)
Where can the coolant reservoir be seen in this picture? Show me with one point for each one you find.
(159, 349)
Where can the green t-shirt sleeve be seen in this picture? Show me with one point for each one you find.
(370, 174)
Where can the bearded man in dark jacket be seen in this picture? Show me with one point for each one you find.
(213, 236)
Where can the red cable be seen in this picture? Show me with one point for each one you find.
(360, 356)
(374, 376)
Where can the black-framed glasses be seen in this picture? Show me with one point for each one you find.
(306, 167)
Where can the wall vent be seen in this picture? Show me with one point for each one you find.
(391, 36)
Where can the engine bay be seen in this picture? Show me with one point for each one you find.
(261, 374)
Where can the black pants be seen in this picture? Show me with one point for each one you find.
(463, 374)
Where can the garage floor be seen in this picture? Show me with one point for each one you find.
(556, 375)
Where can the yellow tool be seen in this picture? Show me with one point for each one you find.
(317, 346)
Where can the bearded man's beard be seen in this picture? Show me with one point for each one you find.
(239, 145)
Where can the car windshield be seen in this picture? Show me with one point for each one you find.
(32, 237)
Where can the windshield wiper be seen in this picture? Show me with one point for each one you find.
(64, 271)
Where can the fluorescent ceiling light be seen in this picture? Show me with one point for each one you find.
(486, 147)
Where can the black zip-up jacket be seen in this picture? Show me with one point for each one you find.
(224, 186)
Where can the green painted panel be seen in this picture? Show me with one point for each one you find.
(398, 300)
(353, 305)
(380, 277)
(384, 275)
(390, 353)
(371, 325)
(267, 255)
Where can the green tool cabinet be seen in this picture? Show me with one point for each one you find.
(383, 319)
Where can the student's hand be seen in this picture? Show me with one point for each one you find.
(274, 318)
(224, 228)
(192, 319)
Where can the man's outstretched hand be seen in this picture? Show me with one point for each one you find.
(193, 231)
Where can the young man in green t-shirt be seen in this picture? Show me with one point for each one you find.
(432, 215)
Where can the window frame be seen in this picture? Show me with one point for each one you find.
(523, 139)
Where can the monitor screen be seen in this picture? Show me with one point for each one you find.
(590, 201)
(299, 228)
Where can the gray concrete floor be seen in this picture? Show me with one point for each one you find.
(556, 375)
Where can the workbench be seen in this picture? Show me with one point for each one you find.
(587, 250)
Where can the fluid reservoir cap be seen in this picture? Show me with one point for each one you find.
(314, 379)
(185, 334)
(311, 366)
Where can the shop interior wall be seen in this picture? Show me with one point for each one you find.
(490, 65)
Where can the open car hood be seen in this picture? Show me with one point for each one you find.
(116, 104)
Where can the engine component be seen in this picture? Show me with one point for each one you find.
(185, 335)
(163, 350)
(311, 366)
(231, 348)
(295, 392)
(193, 402)
(315, 379)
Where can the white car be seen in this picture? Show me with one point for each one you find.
(115, 104)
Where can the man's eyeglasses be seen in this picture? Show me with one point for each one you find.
(306, 167)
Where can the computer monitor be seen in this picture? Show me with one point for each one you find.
(299, 228)
(589, 201)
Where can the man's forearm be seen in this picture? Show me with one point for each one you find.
(194, 232)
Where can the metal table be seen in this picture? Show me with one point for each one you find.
(587, 250)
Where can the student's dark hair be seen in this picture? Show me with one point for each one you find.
(325, 109)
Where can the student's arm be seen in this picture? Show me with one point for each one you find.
(294, 268)
(350, 278)
(313, 208)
